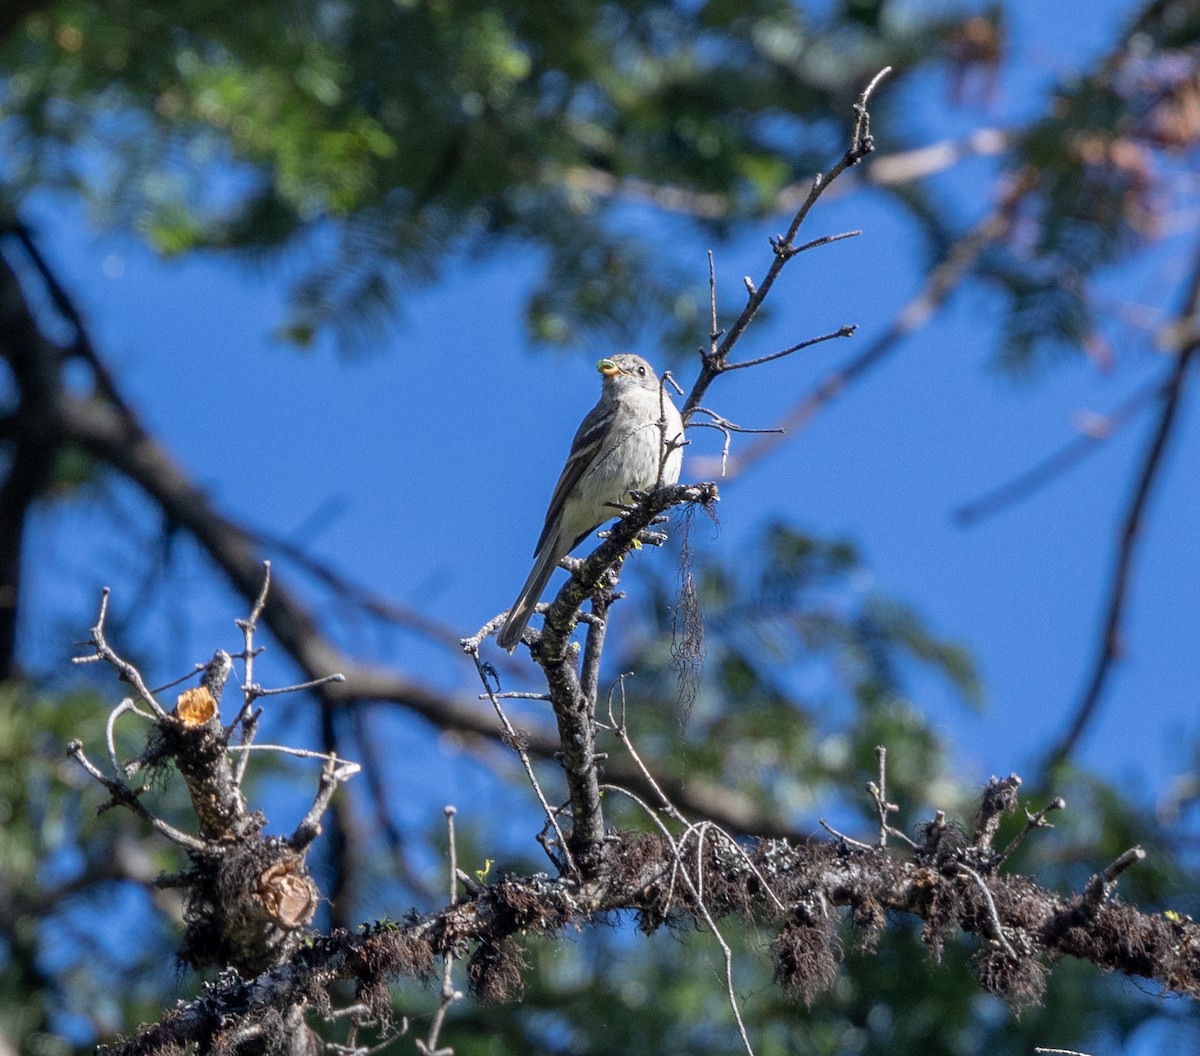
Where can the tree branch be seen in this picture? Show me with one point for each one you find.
(772, 882)
(941, 282)
(1187, 331)
(35, 435)
(715, 361)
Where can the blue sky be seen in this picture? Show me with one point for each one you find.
(423, 467)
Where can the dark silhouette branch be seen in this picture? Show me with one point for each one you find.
(1109, 647)
(1184, 335)
(34, 437)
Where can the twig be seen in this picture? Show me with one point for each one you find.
(622, 734)
(182, 678)
(515, 694)
(300, 687)
(1110, 636)
(299, 753)
(125, 796)
(993, 914)
(879, 795)
(714, 331)
(1032, 821)
(125, 670)
(846, 330)
(247, 717)
(119, 771)
(731, 845)
(593, 651)
(1100, 886)
(333, 773)
(716, 360)
(513, 740)
(843, 837)
(727, 429)
(701, 907)
(448, 994)
(1060, 1052)
(942, 280)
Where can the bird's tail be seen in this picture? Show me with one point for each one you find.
(544, 563)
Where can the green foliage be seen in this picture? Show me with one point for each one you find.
(419, 131)
(62, 868)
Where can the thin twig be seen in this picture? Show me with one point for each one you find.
(1099, 887)
(843, 837)
(182, 678)
(703, 909)
(622, 734)
(882, 806)
(448, 995)
(300, 687)
(846, 330)
(127, 704)
(1032, 821)
(247, 718)
(333, 773)
(731, 845)
(714, 333)
(513, 740)
(515, 694)
(1110, 644)
(1060, 1052)
(716, 360)
(299, 753)
(125, 670)
(125, 796)
(993, 913)
(941, 282)
(727, 429)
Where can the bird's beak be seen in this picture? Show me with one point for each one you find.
(608, 368)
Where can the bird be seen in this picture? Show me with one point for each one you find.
(630, 441)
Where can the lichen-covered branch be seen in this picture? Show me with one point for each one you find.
(778, 882)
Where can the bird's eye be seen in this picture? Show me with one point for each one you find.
(642, 371)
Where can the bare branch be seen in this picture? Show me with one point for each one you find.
(941, 282)
(125, 796)
(693, 890)
(1032, 821)
(1109, 646)
(993, 914)
(517, 743)
(333, 773)
(1099, 887)
(656, 874)
(716, 360)
(448, 995)
(125, 670)
(882, 806)
(848, 330)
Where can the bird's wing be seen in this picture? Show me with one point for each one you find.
(584, 450)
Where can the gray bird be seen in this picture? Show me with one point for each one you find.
(620, 447)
